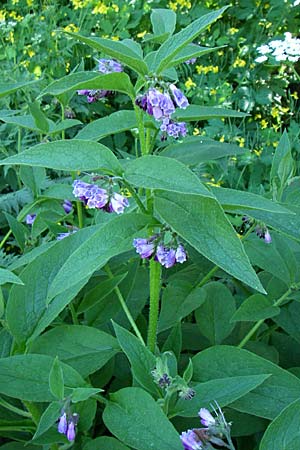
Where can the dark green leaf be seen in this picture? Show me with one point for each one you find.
(254, 308)
(196, 112)
(49, 417)
(6, 276)
(56, 380)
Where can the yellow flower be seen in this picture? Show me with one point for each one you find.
(264, 124)
(101, 8)
(173, 6)
(24, 63)
(189, 83)
(222, 138)
(72, 28)
(30, 52)
(196, 131)
(295, 95)
(15, 2)
(2, 15)
(257, 152)
(115, 38)
(257, 116)
(233, 30)
(67, 67)
(275, 112)
(115, 7)
(141, 34)
(213, 91)
(37, 71)
(239, 62)
(275, 144)
(15, 16)
(29, 3)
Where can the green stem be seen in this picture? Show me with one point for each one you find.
(136, 197)
(100, 399)
(5, 238)
(155, 285)
(78, 206)
(125, 307)
(148, 141)
(139, 118)
(63, 135)
(208, 276)
(260, 322)
(14, 409)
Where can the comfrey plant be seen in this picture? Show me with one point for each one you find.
(121, 304)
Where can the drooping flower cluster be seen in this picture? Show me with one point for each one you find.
(105, 66)
(166, 254)
(161, 105)
(281, 50)
(67, 425)
(260, 229)
(215, 430)
(94, 196)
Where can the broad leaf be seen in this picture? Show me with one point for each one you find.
(69, 155)
(48, 418)
(189, 52)
(105, 443)
(256, 307)
(196, 112)
(163, 21)
(6, 276)
(203, 224)
(137, 420)
(10, 88)
(56, 380)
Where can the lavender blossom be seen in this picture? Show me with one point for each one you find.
(144, 247)
(62, 424)
(30, 218)
(67, 205)
(92, 195)
(191, 61)
(180, 254)
(165, 256)
(71, 433)
(61, 236)
(174, 129)
(109, 66)
(180, 99)
(206, 418)
(118, 202)
(267, 238)
(190, 440)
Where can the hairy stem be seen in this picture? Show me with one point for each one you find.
(155, 285)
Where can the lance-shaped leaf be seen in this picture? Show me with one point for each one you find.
(203, 224)
(56, 380)
(10, 88)
(69, 155)
(118, 81)
(172, 46)
(6, 276)
(117, 49)
(114, 123)
(196, 112)
(189, 52)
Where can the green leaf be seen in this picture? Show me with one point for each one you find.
(40, 119)
(48, 418)
(288, 319)
(19, 231)
(172, 46)
(82, 394)
(10, 88)
(114, 123)
(194, 150)
(213, 316)
(269, 399)
(158, 172)
(70, 155)
(282, 164)
(142, 361)
(163, 21)
(119, 82)
(254, 308)
(196, 112)
(137, 420)
(86, 349)
(179, 299)
(109, 240)
(283, 432)
(203, 224)
(27, 377)
(116, 49)
(105, 443)
(6, 276)
(189, 52)
(56, 380)
(224, 391)
(28, 122)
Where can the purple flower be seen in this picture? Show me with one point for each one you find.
(180, 254)
(173, 129)
(30, 218)
(190, 440)
(180, 99)
(67, 205)
(91, 194)
(83, 92)
(144, 247)
(71, 433)
(206, 418)
(191, 61)
(187, 393)
(98, 198)
(109, 66)
(267, 238)
(61, 236)
(62, 424)
(118, 202)
(165, 256)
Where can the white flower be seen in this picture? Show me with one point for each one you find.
(261, 59)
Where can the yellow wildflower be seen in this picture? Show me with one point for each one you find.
(233, 30)
(115, 7)
(2, 15)
(72, 28)
(257, 116)
(258, 151)
(15, 2)
(196, 131)
(222, 138)
(67, 67)
(189, 83)
(29, 3)
(115, 38)
(100, 8)
(294, 94)
(275, 144)
(275, 112)
(264, 124)
(239, 62)
(213, 91)
(141, 34)
(37, 71)
(16, 16)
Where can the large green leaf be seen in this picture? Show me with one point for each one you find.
(163, 21)
(6, 276)
(114, 123)
(27, 377)
(109, 240)
(284, 431)
(91, 80)
(203, 224)
(256, 307)
(136, 419)
(70, 155)
(117, 49)
(189, 52)
(105, 443)
(224, 391)
(86, 349)
(196, 112)
(10, 88)
(158, 172)
(172, 46)
(195, 149)
(268, 400)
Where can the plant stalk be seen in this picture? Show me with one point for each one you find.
(155, 285)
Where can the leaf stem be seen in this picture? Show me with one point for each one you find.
(14, 409)
(5, 238)
(135, 196)
(155, 285)
(124, 306)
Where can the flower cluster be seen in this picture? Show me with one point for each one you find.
(105, 66)
(282, 50)
(166, 255)
(95, 197)
(161, 106)
(67, 425)
(214, 431)
(260, 229)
